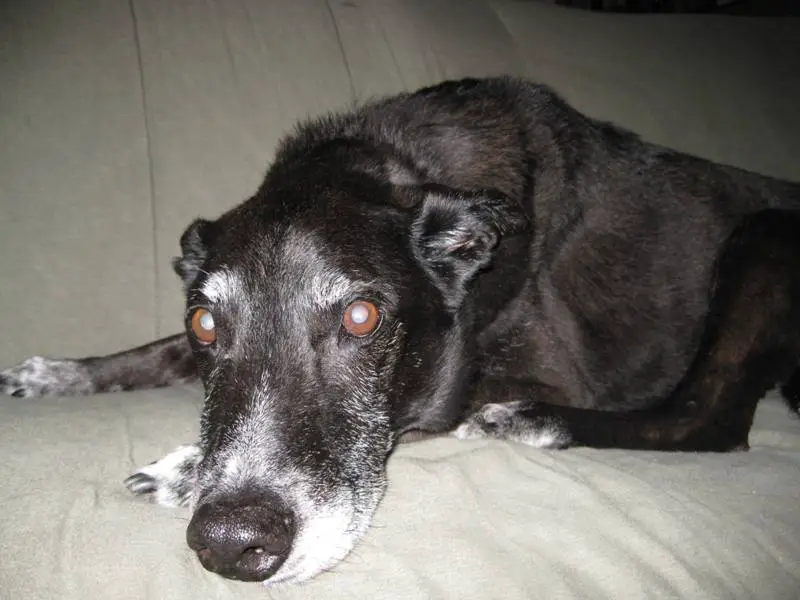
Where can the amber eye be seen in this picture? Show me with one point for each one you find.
(203, 326)
(361, 318)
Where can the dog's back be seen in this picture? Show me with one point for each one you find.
(625, 234)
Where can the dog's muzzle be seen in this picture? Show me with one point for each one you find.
(244, 538)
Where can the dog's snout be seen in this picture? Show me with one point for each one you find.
(247, 542)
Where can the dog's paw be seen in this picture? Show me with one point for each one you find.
(509, 421)
(169, 481)
(39, 376)
(492, 420)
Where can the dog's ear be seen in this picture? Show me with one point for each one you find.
(194, 248)
(454, 234)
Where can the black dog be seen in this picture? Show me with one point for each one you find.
(475, 257)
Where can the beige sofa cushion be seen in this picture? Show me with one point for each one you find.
(460, 519)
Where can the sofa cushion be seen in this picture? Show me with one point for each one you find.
(124, 120)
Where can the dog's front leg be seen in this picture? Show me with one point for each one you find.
(535, 414)
(556, 426)
(168, 361)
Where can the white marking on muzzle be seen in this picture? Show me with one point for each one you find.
(325, 537)
(329, 519)
(328, 530)
(254, 452)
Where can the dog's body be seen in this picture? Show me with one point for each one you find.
(475, 257)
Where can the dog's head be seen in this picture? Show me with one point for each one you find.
(328, 314)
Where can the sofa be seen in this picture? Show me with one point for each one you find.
(121, 121)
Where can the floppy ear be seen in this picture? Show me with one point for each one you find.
(454, 235)
(194, 247)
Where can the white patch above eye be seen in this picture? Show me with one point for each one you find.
(323, 284)
(220, 286)
(329, 287)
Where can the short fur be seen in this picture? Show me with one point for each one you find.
(542, 277)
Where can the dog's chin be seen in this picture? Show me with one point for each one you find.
(325, 539)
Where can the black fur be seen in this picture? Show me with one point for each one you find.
(603, 290)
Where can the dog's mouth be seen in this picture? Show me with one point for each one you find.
(323, 542)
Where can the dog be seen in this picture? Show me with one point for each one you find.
(477, 258)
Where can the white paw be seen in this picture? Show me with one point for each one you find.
(489, 421)
(39, 376)
(169, 481)
(509, 421)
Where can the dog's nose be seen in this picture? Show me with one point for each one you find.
(248, 542)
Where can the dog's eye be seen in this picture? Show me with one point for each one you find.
(203, 326)
(361, 318)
